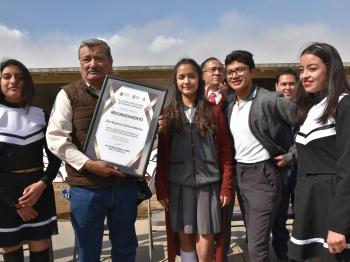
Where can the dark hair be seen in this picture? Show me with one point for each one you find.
(175, 116)
(207, 60)
(241, 56)
(336, 83)
(28, 90)
(286, 71)
(92, 42)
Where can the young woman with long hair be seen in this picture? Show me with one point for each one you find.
(27, 202)
(322, 195)
(194, 169)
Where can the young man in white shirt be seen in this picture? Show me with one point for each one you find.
(258, 121)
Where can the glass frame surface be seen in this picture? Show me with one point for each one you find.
(124, 124)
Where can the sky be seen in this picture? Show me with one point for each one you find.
(46, 33)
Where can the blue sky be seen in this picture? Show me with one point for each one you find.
(154, 32)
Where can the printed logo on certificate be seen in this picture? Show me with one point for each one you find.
(124, 124)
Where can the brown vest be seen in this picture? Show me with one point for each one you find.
(83, 104)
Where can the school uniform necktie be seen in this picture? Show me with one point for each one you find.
(212, 97)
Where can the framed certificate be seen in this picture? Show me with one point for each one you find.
(124, 124)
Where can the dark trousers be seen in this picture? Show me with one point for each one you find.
(280, 234)
(260, 187)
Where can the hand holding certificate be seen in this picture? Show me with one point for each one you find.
(124, 124)
(102, 168)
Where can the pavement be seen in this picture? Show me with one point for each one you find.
(63, 243)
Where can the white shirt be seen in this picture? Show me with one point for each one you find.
(248, 148)
(59, 130)
(189, 112)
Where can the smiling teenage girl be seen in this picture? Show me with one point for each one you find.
(322, 195)
(27, 203)
(194, 170)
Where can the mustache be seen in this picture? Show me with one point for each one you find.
(93, 70)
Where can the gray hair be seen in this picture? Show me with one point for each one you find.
(92, 42)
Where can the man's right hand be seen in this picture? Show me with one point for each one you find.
(102, 168)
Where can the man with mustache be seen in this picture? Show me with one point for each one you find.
(98, 189)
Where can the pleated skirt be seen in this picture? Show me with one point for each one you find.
(195, 210)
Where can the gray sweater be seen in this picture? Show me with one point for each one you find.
(270, 119)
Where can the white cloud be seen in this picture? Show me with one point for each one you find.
(6, 32)
(118, 41)
(164, 42)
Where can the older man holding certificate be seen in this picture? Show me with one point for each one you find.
(98, 188)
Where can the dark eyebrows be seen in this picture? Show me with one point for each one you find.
(314, 64)
(9, 74)
(188, 74)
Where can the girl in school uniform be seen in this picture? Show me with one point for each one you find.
(27, 201)
(322, 195)
(194, 169)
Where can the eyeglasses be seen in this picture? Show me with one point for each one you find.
(239, 71)
(214, 69)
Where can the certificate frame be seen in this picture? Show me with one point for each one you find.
(124, 111)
